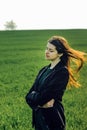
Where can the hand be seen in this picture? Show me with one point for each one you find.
(48, 104)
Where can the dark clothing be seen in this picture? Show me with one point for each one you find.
(45, 88)
(41, 80)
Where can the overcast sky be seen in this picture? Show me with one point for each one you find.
(44, 14)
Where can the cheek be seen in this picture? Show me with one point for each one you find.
(55, 55)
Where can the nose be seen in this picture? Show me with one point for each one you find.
(46, 51)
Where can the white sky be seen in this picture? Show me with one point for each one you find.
(44, 14)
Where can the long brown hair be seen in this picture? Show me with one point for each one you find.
(72, 59)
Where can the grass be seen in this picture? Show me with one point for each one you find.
(21, 57)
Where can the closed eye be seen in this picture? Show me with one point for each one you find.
(49, 49)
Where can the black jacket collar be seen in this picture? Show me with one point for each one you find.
(58, 66)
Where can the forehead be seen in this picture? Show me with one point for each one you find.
(51, 46)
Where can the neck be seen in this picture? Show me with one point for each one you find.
(54, 63)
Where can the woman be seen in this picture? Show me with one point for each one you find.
(45, 96)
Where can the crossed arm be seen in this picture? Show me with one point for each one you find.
(46, 98)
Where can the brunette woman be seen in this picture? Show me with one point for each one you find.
(45, 95)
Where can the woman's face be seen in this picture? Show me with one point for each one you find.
(51, 53)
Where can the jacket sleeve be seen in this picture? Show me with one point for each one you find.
(32, 95)
(54, 89)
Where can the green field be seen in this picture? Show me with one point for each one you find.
(21, 57)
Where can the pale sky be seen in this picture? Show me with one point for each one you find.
(44, 14)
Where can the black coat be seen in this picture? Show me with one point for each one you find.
(53, 87)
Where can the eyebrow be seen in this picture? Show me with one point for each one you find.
(50, 49)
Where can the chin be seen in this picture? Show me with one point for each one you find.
(47, 58)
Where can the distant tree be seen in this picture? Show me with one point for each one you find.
(10, 25)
